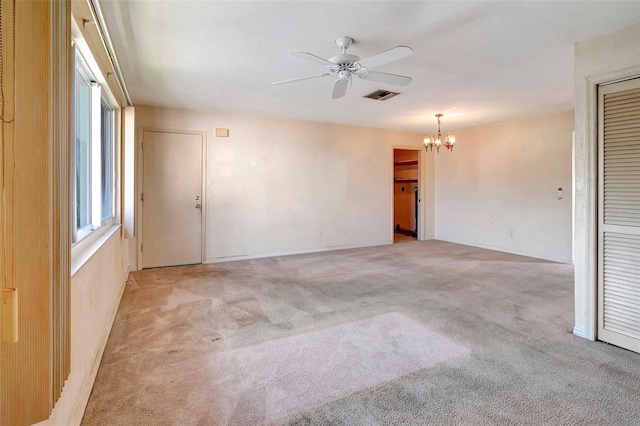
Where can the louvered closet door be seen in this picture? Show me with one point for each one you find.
(619, 214)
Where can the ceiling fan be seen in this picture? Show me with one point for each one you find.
(346, 65)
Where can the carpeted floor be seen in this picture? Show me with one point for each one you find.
(415, 333)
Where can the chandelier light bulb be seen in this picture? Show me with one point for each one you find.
(437, 140)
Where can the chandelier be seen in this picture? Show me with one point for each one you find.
(436, 140)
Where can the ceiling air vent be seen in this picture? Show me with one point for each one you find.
(381, 95)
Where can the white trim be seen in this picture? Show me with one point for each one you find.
(392, 201)
(599, 211)
(128, 172)
(580, 332)
(116, 166)
(422, 185)
(505, 250)
(573, 197)
(294, 252)
(139, 173)
(96, 155)
(203, 198)
(592, 261)
(615, 77)
(88, 250)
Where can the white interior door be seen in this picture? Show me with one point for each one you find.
(172, 199)
(619, 214)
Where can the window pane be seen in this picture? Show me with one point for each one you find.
(106, 139)
(94, 163)
(82, 114)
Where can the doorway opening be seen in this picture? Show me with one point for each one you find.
(406, 194)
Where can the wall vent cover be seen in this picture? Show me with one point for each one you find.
(381, 95)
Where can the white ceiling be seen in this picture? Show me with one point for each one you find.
(478, 62)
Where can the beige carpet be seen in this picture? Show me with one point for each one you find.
(414, 333)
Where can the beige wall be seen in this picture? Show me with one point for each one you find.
(498, 188)
(600, 60)
(278, 186)
(95, 295)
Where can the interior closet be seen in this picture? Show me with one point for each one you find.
(405, 194)
(619, 214)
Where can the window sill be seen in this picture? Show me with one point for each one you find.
(82, 257)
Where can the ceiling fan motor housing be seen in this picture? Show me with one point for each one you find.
(344, 59)
(344, 74)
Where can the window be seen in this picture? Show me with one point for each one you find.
(93, 140)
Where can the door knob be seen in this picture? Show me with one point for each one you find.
(198, 206)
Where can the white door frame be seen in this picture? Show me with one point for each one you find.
(585, 237)
(421, 234)
(139, 185)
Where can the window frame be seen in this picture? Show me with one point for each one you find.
(105, 221)
(102, 97)
(80, 68)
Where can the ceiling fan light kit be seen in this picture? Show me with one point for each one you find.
(437, 140)
(346, 65)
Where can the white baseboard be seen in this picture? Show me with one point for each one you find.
(289, 253)
(506, 250)
(85, 393)
(580, 332)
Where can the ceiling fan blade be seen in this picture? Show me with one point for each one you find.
(298, 79)
(313, 58)
(383, 77)
(393, 54)
(340, 88)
